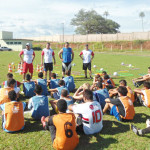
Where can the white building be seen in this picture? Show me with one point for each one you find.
(6, 39)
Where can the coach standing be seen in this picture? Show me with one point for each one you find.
(48, 54)
(66, 55)
(87, 53)
(27, 61)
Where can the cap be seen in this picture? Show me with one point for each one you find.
(27, 44)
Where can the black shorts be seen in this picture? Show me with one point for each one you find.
(48, 66)
(67, 64)
(87, 65)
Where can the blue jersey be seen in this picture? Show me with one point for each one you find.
(5, 85)
(43, 84)
(39, 106)
(69, 83)
(66, 55)
(28, 88)
(60, 89)
(54, 83)
(100, 96)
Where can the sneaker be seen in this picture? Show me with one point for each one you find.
(86, 77)
(148, 123)
(134, 129)
(43, 121)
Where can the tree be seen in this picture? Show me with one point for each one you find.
(106, 14)
(90, 22)
(142, 15)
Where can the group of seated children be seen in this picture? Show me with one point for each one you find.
(84, 110)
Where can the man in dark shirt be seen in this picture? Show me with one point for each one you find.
(122, 107)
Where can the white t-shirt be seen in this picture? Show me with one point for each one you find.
(27, 55)
(87, 55)
(92, 116)
(48, 53)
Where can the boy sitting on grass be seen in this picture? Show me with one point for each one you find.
(143, 95)
(43, 83)
(4, 91)
(38, 104)
(62, 128)
(65, 96)
(69, 81)
(13, 113)
(108, 82)
(139, 81)
(57, 91)
(10, 76)
(122, 108)
(28, 87)
(114, 92)
(92, 116)
(100, 94)
(53, 82)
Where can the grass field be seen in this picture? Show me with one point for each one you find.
(115, 135)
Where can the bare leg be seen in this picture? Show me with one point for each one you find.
(45, 74)
(50, 74)
(24, 76)
(63, 74)
(108, 106)
(90, 73)
(31, 75)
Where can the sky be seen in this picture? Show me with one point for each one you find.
(30, 18)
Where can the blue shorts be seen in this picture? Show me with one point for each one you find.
(114, 112)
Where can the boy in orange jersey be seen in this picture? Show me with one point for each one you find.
(143, 95)
(12, 114)
(122, 108)
(62, 128)
(130, 94)
(4, 91)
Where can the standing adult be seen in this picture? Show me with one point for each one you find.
(66, 55)
(48, 54)
(28, 59)
(87, 53)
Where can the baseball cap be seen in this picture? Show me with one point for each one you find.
(27, 44)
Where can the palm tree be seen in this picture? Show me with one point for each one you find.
(106, 14)
(142, 15)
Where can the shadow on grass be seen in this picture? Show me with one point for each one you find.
(94, 142)
(140, 118)
(114, 127)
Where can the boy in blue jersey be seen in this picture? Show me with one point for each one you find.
(43, 83)
(66, 55)
(12, 114)
(38, 104)
(10, 76)
(57, 91)
(53, 82)
(69, 82)
(28, 87)
(100, 94)
(65, 96)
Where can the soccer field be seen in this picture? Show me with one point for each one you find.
(115, 135)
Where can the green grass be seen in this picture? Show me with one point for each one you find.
(115, 135)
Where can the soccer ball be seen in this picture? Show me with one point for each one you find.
(122, 63)
(12, 63)
(73, 64)
(101, 69)
(115, 73)
(130, 65)
(94, 66)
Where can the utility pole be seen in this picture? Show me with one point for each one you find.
(63, 31)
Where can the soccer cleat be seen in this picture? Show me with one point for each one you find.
(91, 77)
(134, 129)
(86, 77)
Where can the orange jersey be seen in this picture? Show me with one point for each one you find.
(129, 108)
(4, 95)
(146, 97)
(130, 94)
(66, 136)
(13, 116)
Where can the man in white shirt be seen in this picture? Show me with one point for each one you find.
(48, 54)
(92, 116)
(27, 61)
(87, 53)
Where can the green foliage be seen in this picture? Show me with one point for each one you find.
(90, 22)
